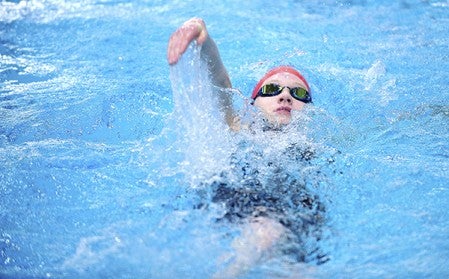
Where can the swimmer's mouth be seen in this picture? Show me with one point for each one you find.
(283, 109)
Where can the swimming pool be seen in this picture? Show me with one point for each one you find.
(96, 168)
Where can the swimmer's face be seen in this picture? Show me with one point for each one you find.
(277, 109)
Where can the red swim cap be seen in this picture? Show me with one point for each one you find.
(272, 72)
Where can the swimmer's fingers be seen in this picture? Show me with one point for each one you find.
(201, 29)
(193, 29)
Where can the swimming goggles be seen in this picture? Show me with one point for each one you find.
(299, 93)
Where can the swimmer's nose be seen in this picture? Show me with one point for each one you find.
(285, 96)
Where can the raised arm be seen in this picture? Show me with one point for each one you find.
(195, 29)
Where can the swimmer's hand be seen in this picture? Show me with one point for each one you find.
(193, 29)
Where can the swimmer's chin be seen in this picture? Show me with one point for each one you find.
(274, 120)
(280, 119)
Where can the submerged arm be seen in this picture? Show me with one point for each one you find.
(195, 29)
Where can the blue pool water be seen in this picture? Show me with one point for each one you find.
(98, 161)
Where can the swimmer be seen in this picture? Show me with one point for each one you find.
(279, 92)
(282, 89)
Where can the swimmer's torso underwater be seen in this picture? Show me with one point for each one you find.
(275, 184)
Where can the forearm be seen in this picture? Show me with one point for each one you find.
(219, 78)
(210, 54)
